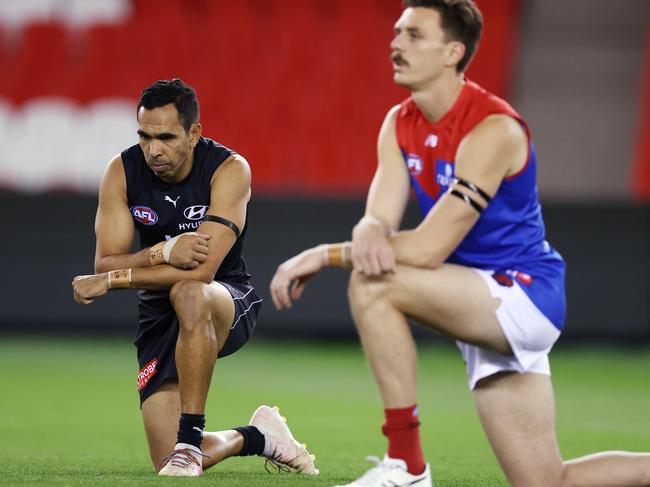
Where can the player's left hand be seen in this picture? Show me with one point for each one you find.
(190, 250)
(86, 288)
(291, 277)
(372, 254)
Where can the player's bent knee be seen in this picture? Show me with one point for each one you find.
(202, 306)
(190, 303)
(365, 291)
(187, 294)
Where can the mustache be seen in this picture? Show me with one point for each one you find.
(157, 160)
(398, 59)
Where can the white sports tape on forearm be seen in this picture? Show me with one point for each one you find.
(162, 251)
(169, 245)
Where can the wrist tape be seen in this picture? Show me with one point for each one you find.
(161, 252)
(119, 279)
(337, 255)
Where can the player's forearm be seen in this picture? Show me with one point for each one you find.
(431, 243)
(409, 248)
(163, 277)
(122, 261)
(334, 255)
(157, 278)
(413, 248)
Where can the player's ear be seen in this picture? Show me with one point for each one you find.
(455, 52)
(195, 134)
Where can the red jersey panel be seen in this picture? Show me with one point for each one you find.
(426, 144)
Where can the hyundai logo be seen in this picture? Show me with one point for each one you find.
(195, 212)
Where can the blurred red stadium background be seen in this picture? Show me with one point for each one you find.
(299, 88)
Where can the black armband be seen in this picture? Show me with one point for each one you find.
(466, 199)
(472, 187)
(223, 221)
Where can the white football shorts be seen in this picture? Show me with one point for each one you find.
(531, 336)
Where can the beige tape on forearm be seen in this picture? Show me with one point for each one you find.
(156, 255)
(338, 255)
(161, 252)
(119, 279)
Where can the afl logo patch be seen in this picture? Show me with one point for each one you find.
(195, 212)
(144, 215)
(414, 163)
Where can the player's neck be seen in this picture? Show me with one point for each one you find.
(437, 98)
(186, 169)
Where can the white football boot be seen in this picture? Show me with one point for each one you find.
(391, 472)
(185, 461)
(281, 448)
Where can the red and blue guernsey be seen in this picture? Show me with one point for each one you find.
(509, 236)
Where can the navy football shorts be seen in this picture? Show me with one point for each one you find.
(158, 332)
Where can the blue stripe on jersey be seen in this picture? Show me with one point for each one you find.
(425, 201)
(509, 236)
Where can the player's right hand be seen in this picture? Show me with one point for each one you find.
(189, 251)
(372, 253)
(86, 288)
(291, 276)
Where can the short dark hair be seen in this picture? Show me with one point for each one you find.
(461, 21)
(163, 92)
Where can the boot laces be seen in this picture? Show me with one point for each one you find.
(275, 463)
(183, 458)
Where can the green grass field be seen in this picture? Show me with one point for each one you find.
(69, 411)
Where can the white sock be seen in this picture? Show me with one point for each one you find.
(268, 447)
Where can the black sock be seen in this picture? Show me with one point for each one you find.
(253, 441)
(190, 429)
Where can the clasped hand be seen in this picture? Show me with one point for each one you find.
(189, 251)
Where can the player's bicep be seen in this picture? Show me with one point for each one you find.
(230, 193)
(498, 146)
(113, 222)
(484, 158)
(389, 189)
(231, 190)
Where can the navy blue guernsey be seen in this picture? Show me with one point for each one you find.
(162, 210)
